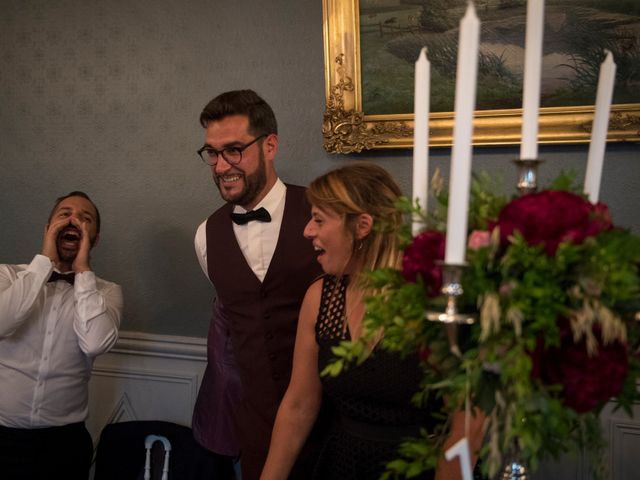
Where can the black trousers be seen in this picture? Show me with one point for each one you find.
(45, 453)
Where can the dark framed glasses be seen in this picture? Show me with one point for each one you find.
(231, 155)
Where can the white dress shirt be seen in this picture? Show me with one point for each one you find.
(257, 240)
(49, 334)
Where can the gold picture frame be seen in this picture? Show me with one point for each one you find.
(347, 129)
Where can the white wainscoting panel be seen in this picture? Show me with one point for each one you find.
(623, 435)
(622, 450)
(146, 377)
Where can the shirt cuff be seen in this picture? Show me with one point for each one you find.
(41, 265)
(85, 281)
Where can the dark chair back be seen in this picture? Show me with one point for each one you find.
(121, 451)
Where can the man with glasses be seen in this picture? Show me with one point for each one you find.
(253, 251)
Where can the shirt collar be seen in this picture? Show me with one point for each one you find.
(271, 200)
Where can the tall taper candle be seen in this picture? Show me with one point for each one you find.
(531, 86)
(421, 134)
(606, 81)
(460, 172)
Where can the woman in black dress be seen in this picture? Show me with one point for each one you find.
(354, 229)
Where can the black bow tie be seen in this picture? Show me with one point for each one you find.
(67, 277)
(260, 215)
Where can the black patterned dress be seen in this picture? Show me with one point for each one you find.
(370, 403)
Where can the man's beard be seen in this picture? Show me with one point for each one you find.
(66, 257)
(253, 185)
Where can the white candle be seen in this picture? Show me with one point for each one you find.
(460, 172)
(531, 85)
(461, 449)
(421, 135)
(599, 130)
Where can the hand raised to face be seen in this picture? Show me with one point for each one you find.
(81, 262)
(50, 240)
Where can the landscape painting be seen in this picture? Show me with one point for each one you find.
(576, 33)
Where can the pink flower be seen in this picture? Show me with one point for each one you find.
(479, 239)
(506, 288)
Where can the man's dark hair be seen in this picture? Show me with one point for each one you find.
(262, 120)
(77, 193)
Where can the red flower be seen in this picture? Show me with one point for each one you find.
(551, 217)
(420, 259)
(424, 352)
(587, 381)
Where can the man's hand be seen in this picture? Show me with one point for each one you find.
(50, 241)
(81, 262)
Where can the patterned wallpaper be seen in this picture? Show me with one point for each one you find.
(104, 96)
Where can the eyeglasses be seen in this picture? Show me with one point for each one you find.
(232, 155)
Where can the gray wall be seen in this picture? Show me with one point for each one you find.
(104, 96)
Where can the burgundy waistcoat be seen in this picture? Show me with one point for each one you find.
(262, 316)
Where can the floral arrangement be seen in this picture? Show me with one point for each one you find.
(555, 286)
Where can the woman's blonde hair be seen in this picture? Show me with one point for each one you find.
(363, 188)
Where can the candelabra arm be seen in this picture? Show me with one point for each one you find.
(451, 316)
(452, 290)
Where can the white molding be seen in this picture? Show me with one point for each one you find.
(169, 346)
(155, 375)
(123, 411)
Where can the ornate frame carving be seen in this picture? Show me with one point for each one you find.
(347, 129)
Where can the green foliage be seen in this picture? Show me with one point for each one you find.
(566, 182)
(486, 200)
(417, 456)
(520, 292)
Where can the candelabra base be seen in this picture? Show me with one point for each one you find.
(515, 471)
